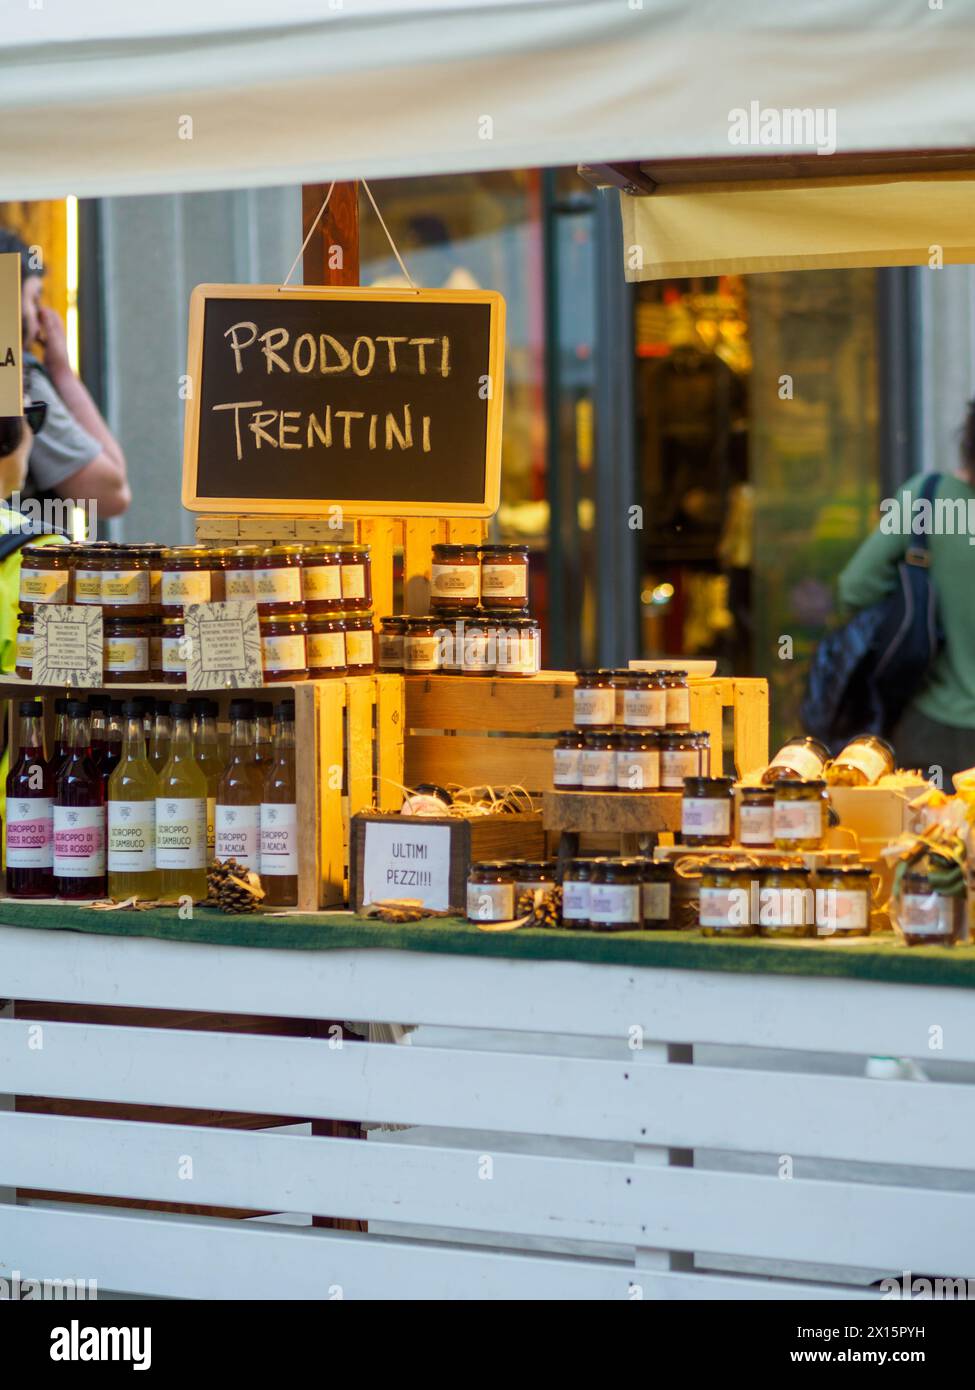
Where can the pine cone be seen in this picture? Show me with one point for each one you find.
(548, 909)
(217, 875)
(240, 892)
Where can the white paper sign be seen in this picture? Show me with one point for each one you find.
(407, 859)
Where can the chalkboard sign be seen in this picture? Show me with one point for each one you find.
(383, 402)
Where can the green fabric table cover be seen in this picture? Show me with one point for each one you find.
(879, 958)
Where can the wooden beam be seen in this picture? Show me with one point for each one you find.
(332, 255)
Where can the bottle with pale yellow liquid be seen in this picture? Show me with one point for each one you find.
(239, 795)
(132, 789)
(161, 732)
(209, 759)
(181, 816)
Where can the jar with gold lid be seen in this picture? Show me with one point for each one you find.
(706, 810)
(504, 575)
(284, 650)
(360, 653)
(90, 560)
(594, 700)
(277, 580)
(422, 645)
(239, 566)
(326, 645)
(321, 578)
(356, 578)
(126, 583)
(800, 757)
(172, 651)
(843, 897)
(45, 575)
(726, 901)
(190, 574)
(862, 762)
(786, 902)
(755, 808)
(677, 698)
(455, 577)
(800, 814)
(24, 658)
(637, 760)
(125, 643)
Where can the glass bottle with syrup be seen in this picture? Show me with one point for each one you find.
(238, 817)
(279, 816)
(29, 822)
(79, 814)
(132, 791)
(161, 734)
(209, 759)
(113, 747)
(264, 734)
(181, 806)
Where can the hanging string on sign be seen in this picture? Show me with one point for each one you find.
(311, 231)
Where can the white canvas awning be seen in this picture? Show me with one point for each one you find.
(111, 97)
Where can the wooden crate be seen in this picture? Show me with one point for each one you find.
(479, 838)
(482, 729)
(349, 736)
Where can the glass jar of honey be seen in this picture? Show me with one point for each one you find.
(706, 810)
(504, 575)
(277, 580)
(321, 578)
(89, 562)
(786, 903)
(567, 761)
(638, 760)
(190, 574)
(594, 700)
(284, 649)
(326, 645)
(455, 577)
(126, 583)
(755, 805)
(360, 655)
(125, 643)
(239, 567)
(800, 814)
(24, 658)
(356, 574)
(172, 651)
(843, 900)
(392, 631)
(153, 554)
(726, 901)
(862, 762)
(45, 575)
(800, 757)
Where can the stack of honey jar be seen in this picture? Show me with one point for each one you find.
(632, 734)
(479, 623)
(314, 604)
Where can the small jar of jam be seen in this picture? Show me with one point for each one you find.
(567, 761)
(786, 903)
(677, 697)
(422, 646)
(326, 645)
(706, 810)
(576, 891)
(480, 647)
(725, 902)
(172, 652)
(190, 574)
(392, 631)
(798, 758)
(862, 762)
(125, 644)
(360, 654)
(284, 646)
(843, 900)
(239, 570)
(615, 895)
(24, 659)
(755, 817)
(491, 892)
(89, 562)
(277, 580)
(519, 646)
(450, 625)
(321, 578)
(455, 577)
(923, 916)
(681, 755)
(594, 700)
(45, 575)
(153, 554)
(657, 895)
(504, 575)
(800, 814)
(599, 761)
(638, 761)
(644, 701)
(356, 576)
(126, 587)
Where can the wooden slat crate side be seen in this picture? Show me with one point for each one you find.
(360, 699)
(308, 799)
(472, 759)
(390, 748)
(751, 725)
(381, 534)
(420, 536)
(706, 713)
(331, 772)
(538, 704)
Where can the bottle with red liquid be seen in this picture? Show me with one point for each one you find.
(79, 815)
(98, 733)
(30, 811)
(60, 733)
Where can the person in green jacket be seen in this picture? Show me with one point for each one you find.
(937, 730)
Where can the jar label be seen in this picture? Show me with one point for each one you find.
(567, 767)
(705, 816)
(30, 833)
(519, 652)
(279, 839)
(454, 581)
(575, 901)
(645, 709)
(353, 580)
(509, 581)
(326, 650)
(925, 914)
(181, 832)
(284, 653)
(755, 825)
(126, 653)
(490, 902)
(841, 909)
(322, 583)
(799, 758)
(615, 904)
(421, 653)
(478, 652)
(638, 770)
(185, 586)
(155, 586)
(678, 705)
(391, 650)
(44, 586)
(798, 820)
(239, 584)
(870, 761)
(656, 902)
(87, 586)
(725, 907)
(131, 837)
(124, 586)
(79, 841)
(598, 767)
(596, 706)
(278, 585)
(25, 649)
(786, 907)
(678, 763)
(358, 648)
(173, 655)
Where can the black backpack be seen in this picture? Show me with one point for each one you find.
(864, 674)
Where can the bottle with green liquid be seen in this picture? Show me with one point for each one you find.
(132, 790)
(181, 816)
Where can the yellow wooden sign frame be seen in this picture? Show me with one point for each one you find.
(321, 506)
